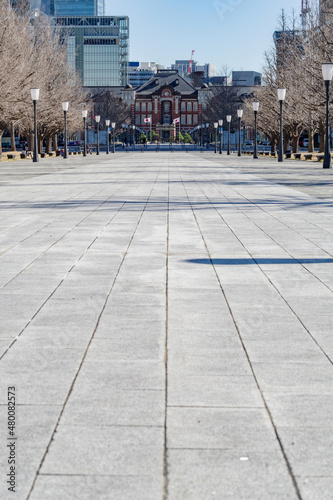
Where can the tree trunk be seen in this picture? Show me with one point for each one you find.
(295, 143)
(311, 140)
(48, 147)
(286, 142)
(30, 141)
(55, 142)
(273, 141)
(12, 136)
(40, 145)
(1, 134)
(321, 137)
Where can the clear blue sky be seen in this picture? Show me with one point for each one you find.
(235, 33)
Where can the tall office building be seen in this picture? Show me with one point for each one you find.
(77, 7)
(246, 78)
(97, 48)
(68, 7)
(182, 66)
(97, 45)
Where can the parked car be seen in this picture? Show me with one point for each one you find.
(304, 142)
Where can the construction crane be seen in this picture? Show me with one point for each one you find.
(191, 62)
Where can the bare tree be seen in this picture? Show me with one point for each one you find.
(40, 61)
(111, 107)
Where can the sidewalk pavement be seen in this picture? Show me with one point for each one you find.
(166, 328)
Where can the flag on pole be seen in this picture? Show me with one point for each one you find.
(176, 120)
(147, 120)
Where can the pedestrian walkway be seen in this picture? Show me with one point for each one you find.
(166, 328)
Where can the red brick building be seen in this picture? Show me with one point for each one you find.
(164, 98)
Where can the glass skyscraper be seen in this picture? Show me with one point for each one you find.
(97, 45)
(69, 7)
(97, 48)
(77, 7)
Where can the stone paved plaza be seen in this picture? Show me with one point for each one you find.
(167, 324)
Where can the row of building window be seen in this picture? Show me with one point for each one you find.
(100, 41)
(184, 106)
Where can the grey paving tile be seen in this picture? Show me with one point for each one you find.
(127, 407)
(316, 487)
(221, 428)
(228, 474)
(308, 449)
(300, 410)
(297, 378)
(80, 487)
(212, 390)
(125, 451)
(212, 396)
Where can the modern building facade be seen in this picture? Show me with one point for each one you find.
(246, 78)
(97, 48)
(138, 74)
(97, 45)
(68, 7)
(75, 7)
(183, 65)
(164, 98)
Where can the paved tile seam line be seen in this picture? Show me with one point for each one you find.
(63, 168)
(263, 271)
(73, 208)
(69, 196)
(73, 266)
(271, 183)
(282, 223)
(265, 274)
(288, 465)
(89, 343)
(17, 206)
(71, 190)
(281, 207)
(165, 458)
(65, 234)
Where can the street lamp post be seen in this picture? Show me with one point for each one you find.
(107, 123)
(281, 96)
(65, 105)
(34, 97)
(255, 105)
(216, 126)
(239, 114)
(327, 69)
(207, 135)
(84, 116)
(220, 132)
(113, 125)
(126, 134)
(97, 120)
(229, 117)
(130, 134)
(123, 134)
